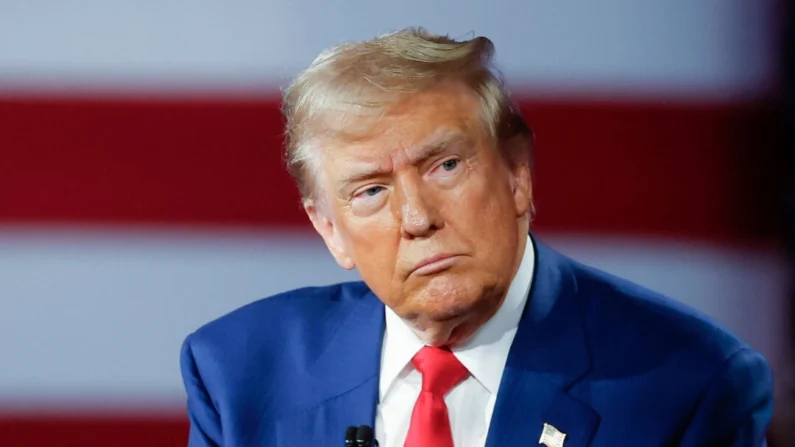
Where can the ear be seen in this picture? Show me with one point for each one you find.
(518, 156)
(325, 227)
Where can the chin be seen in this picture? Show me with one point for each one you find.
(450, 294)
(445, 307)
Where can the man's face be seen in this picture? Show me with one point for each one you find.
(428, 211)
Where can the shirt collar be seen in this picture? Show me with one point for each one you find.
(484, 354)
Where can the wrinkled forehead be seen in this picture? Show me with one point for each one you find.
(391, 151)
(413, 125)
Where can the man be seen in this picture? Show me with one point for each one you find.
(415, 169)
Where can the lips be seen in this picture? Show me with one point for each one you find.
(435, 264)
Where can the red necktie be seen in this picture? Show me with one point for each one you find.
(430, 423)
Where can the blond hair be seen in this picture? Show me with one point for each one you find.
(348, 87)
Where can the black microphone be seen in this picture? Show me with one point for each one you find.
(364, 436)
(350, 437)
(361, 436)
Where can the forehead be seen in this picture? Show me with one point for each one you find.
(423, 118)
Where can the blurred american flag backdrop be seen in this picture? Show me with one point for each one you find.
(142, 191)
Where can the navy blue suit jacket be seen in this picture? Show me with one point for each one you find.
(603, 360)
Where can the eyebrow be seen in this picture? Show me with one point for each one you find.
(435, 144)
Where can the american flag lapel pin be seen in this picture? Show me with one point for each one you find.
(551, 436)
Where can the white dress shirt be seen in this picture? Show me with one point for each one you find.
(471, 403)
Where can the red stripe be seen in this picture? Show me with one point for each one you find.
(95, 430)
(641, 167)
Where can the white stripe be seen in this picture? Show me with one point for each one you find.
(97, 317)
(93, 315)
(674, 47)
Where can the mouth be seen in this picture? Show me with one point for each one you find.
(435, 264)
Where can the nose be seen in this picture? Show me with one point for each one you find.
(415, 210)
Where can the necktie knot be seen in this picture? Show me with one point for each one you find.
(440, 369)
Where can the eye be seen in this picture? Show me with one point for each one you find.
(368, 193)
(368, 199)
(372, 191)
(449, 165)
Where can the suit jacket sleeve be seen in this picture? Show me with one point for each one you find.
(736, 407)
(205, 423)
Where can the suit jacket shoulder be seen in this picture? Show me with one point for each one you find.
(674, 370)
(249, 361)
(627, 321)
(266, 323)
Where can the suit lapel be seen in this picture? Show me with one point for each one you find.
(548, 355)
(343, 380)
(527, 401)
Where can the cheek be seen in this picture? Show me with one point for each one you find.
(483, 214)
(481, 202)
(374, 247)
